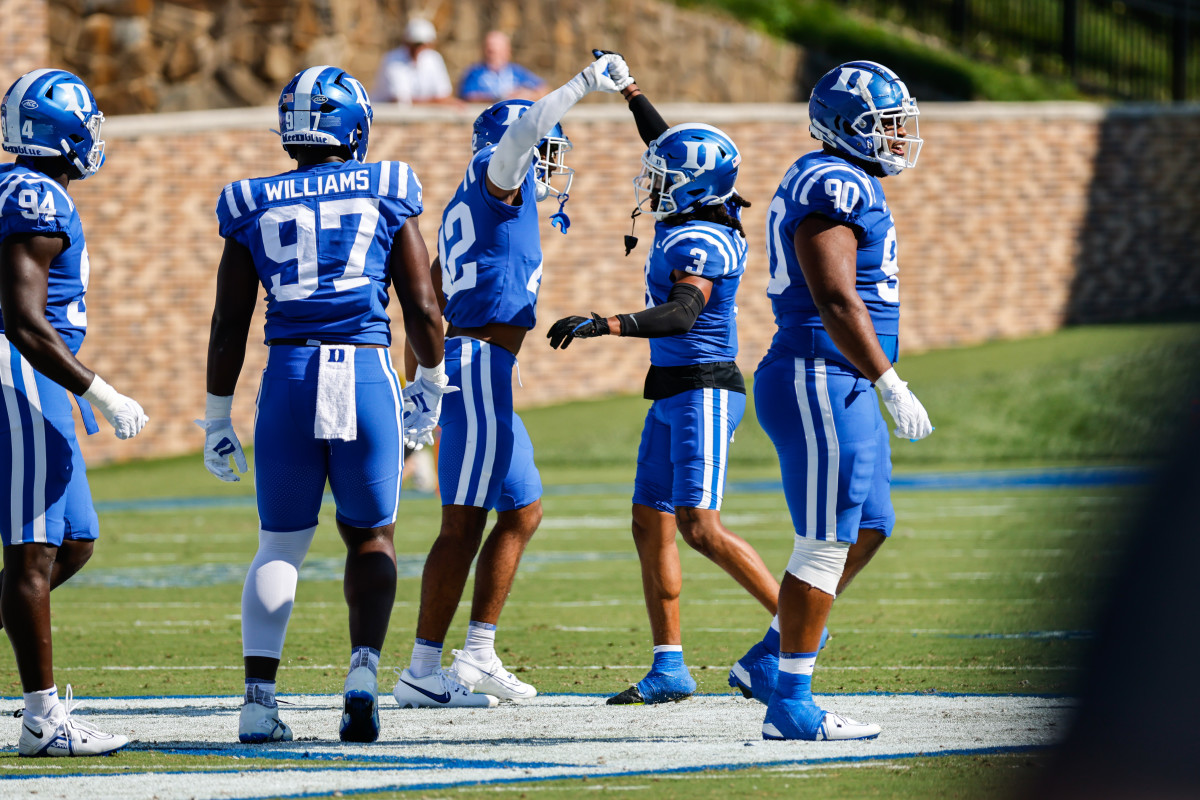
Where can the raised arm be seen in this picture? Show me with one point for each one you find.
(650, 124)
(515, 150)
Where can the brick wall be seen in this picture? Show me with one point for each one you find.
(1004, 231)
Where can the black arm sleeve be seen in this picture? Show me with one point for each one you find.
(650, 124)
(676, 316)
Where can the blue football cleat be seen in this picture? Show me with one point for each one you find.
(755, 673)
(805, 721)
(657, 687)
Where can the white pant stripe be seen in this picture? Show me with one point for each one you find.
(38, 431)
(385, 360)
(472, 442)
(810, 505)
(17, 489)
(722, 445)
(706, 442)
(489, 416)
(832, 450)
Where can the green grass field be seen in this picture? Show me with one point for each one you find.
(980, 591)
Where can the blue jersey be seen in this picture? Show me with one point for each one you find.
(711, 251)
(491, 252)
(827, 185)
(31, 202)
(321, 237)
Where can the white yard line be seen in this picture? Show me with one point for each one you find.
(543, 739)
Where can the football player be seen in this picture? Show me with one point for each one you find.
(831, 242)
(324, 241)
(697, 392)
(490, 255)
(50, 120)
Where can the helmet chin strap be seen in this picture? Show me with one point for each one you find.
(631, 240)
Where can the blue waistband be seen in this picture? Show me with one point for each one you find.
(813, 342)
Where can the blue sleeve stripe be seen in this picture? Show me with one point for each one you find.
(231, 203)
(402, 172)
(247, 195)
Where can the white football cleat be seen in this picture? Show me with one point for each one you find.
(438, 689)
(62, 735)
(260, 724)
(489, 677)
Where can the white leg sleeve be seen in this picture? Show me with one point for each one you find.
(270, 590)
(819, 563)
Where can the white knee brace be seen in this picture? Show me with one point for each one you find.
(819, 563)
(270, 590)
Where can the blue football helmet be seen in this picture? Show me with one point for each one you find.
(688, 166)
(50, 112)
(551, 168)
(860, 108)
(325, 107)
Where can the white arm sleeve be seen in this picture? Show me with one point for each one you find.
(514, 153)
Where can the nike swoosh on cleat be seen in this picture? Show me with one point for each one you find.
(38, 734)
(443, 698)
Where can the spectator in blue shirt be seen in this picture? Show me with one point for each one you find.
(496, 78)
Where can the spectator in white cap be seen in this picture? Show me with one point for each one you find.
(413, 72)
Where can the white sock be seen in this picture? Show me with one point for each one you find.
(426, 658)
(481, 641)
(38, 705)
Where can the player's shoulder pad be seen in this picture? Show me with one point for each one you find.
(34, 203)
(706, 249)
(833, 187)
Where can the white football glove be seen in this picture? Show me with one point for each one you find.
(617, 70)
(423, 404)
(912, 421)
(597, 76)
(220, 442)
(123, 413)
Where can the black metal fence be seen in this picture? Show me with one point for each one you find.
(1131, 50)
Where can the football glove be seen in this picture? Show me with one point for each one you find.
(220, 442)
(568, 328)
(912, 421)
(596, 76)
(123, 413)
(423, 404)
(618, 71)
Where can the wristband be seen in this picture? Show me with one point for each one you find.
(435, 374)
(890, 381)
(100, 393)
(218, 407)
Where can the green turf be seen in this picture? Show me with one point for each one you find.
(964, 567)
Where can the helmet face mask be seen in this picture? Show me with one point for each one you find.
(550, 170)
(325, 106)
(687, 167)
(51, 113)
(860, 109)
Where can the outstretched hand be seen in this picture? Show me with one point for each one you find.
(569, 328)
(617, 71)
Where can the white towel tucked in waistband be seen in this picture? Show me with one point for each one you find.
(337, 416)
